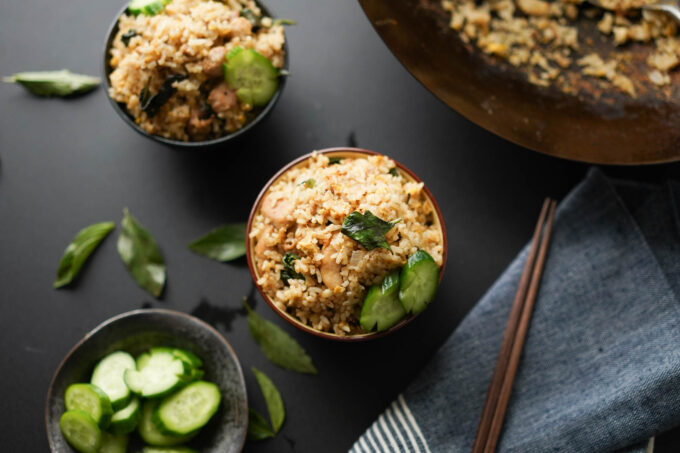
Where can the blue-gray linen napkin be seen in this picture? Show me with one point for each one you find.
(600, 369)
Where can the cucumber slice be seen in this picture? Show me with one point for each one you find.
(108, 376)
(150, 433)
(113, 443)
(162, 374)
(189, 357)
(189, 409)
(168, 450)
(142, 360)
(147, 7)
(81, 431)
(381, 306)
(125, 420)
(91, 399)
(419, 281)
(252, 75)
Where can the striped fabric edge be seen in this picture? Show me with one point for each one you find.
(394, 431)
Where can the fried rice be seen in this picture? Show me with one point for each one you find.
(303, 212)
(189, 37)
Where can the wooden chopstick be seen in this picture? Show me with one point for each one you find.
(497, 397)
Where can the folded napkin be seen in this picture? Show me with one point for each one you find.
(600, 369)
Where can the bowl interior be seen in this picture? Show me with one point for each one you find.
(136, 332)
(250, 242)
(121, 110)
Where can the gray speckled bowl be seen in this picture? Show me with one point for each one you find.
(137, 331)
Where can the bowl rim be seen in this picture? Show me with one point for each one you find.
(338, 151)
(122, 111)
(133, 313)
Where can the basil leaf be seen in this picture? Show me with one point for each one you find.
(394, 172)
(254, 19)
(152, 104)
(277, 413)
(54, 83)
(128, 35)
(80, 248)
(279, 347)
(288, 271)
(335, 160)
(284, 22)
(224, 243)
(139, 251)
(309, 183)
(258, 428)
(367, 229)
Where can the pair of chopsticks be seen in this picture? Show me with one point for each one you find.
(498, 395)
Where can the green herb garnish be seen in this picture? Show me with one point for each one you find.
(80, 248)
(309, 183)
(140, 253)
(284, 22)
(335, 160)
(394, 172)
(279, 347)
(224, 243)
(258, 428)
(54, 83)
(288, 271)
(128, 35)
(151, 104)
(367, 229)
(277, 413)
(254, 19)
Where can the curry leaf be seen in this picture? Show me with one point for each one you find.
(367, 229)
(258, 428)
(224, 243)
(79, 250)
(277, 413)
(279, 347)
(54, 83)
(288, 272)
(139, 251)
(394, 172)
(335, 160)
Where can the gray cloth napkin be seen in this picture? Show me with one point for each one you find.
(600, 369)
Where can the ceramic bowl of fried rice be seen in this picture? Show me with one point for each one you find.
(301, 211)
(189, 38)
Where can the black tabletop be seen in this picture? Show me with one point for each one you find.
(65, 164)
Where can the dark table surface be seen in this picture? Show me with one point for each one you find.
(67, 163)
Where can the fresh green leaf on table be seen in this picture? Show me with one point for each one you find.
(367, 229)
(224, 243)
(277, 413)
(288, 272)
(279, 347)
(80, 248)
(54, 83)
(140, 253)
(258, 428)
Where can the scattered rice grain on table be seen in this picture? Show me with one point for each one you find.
(306, 219)
(189, 37)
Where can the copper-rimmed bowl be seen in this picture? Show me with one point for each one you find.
(335, 152)
(135, 332)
